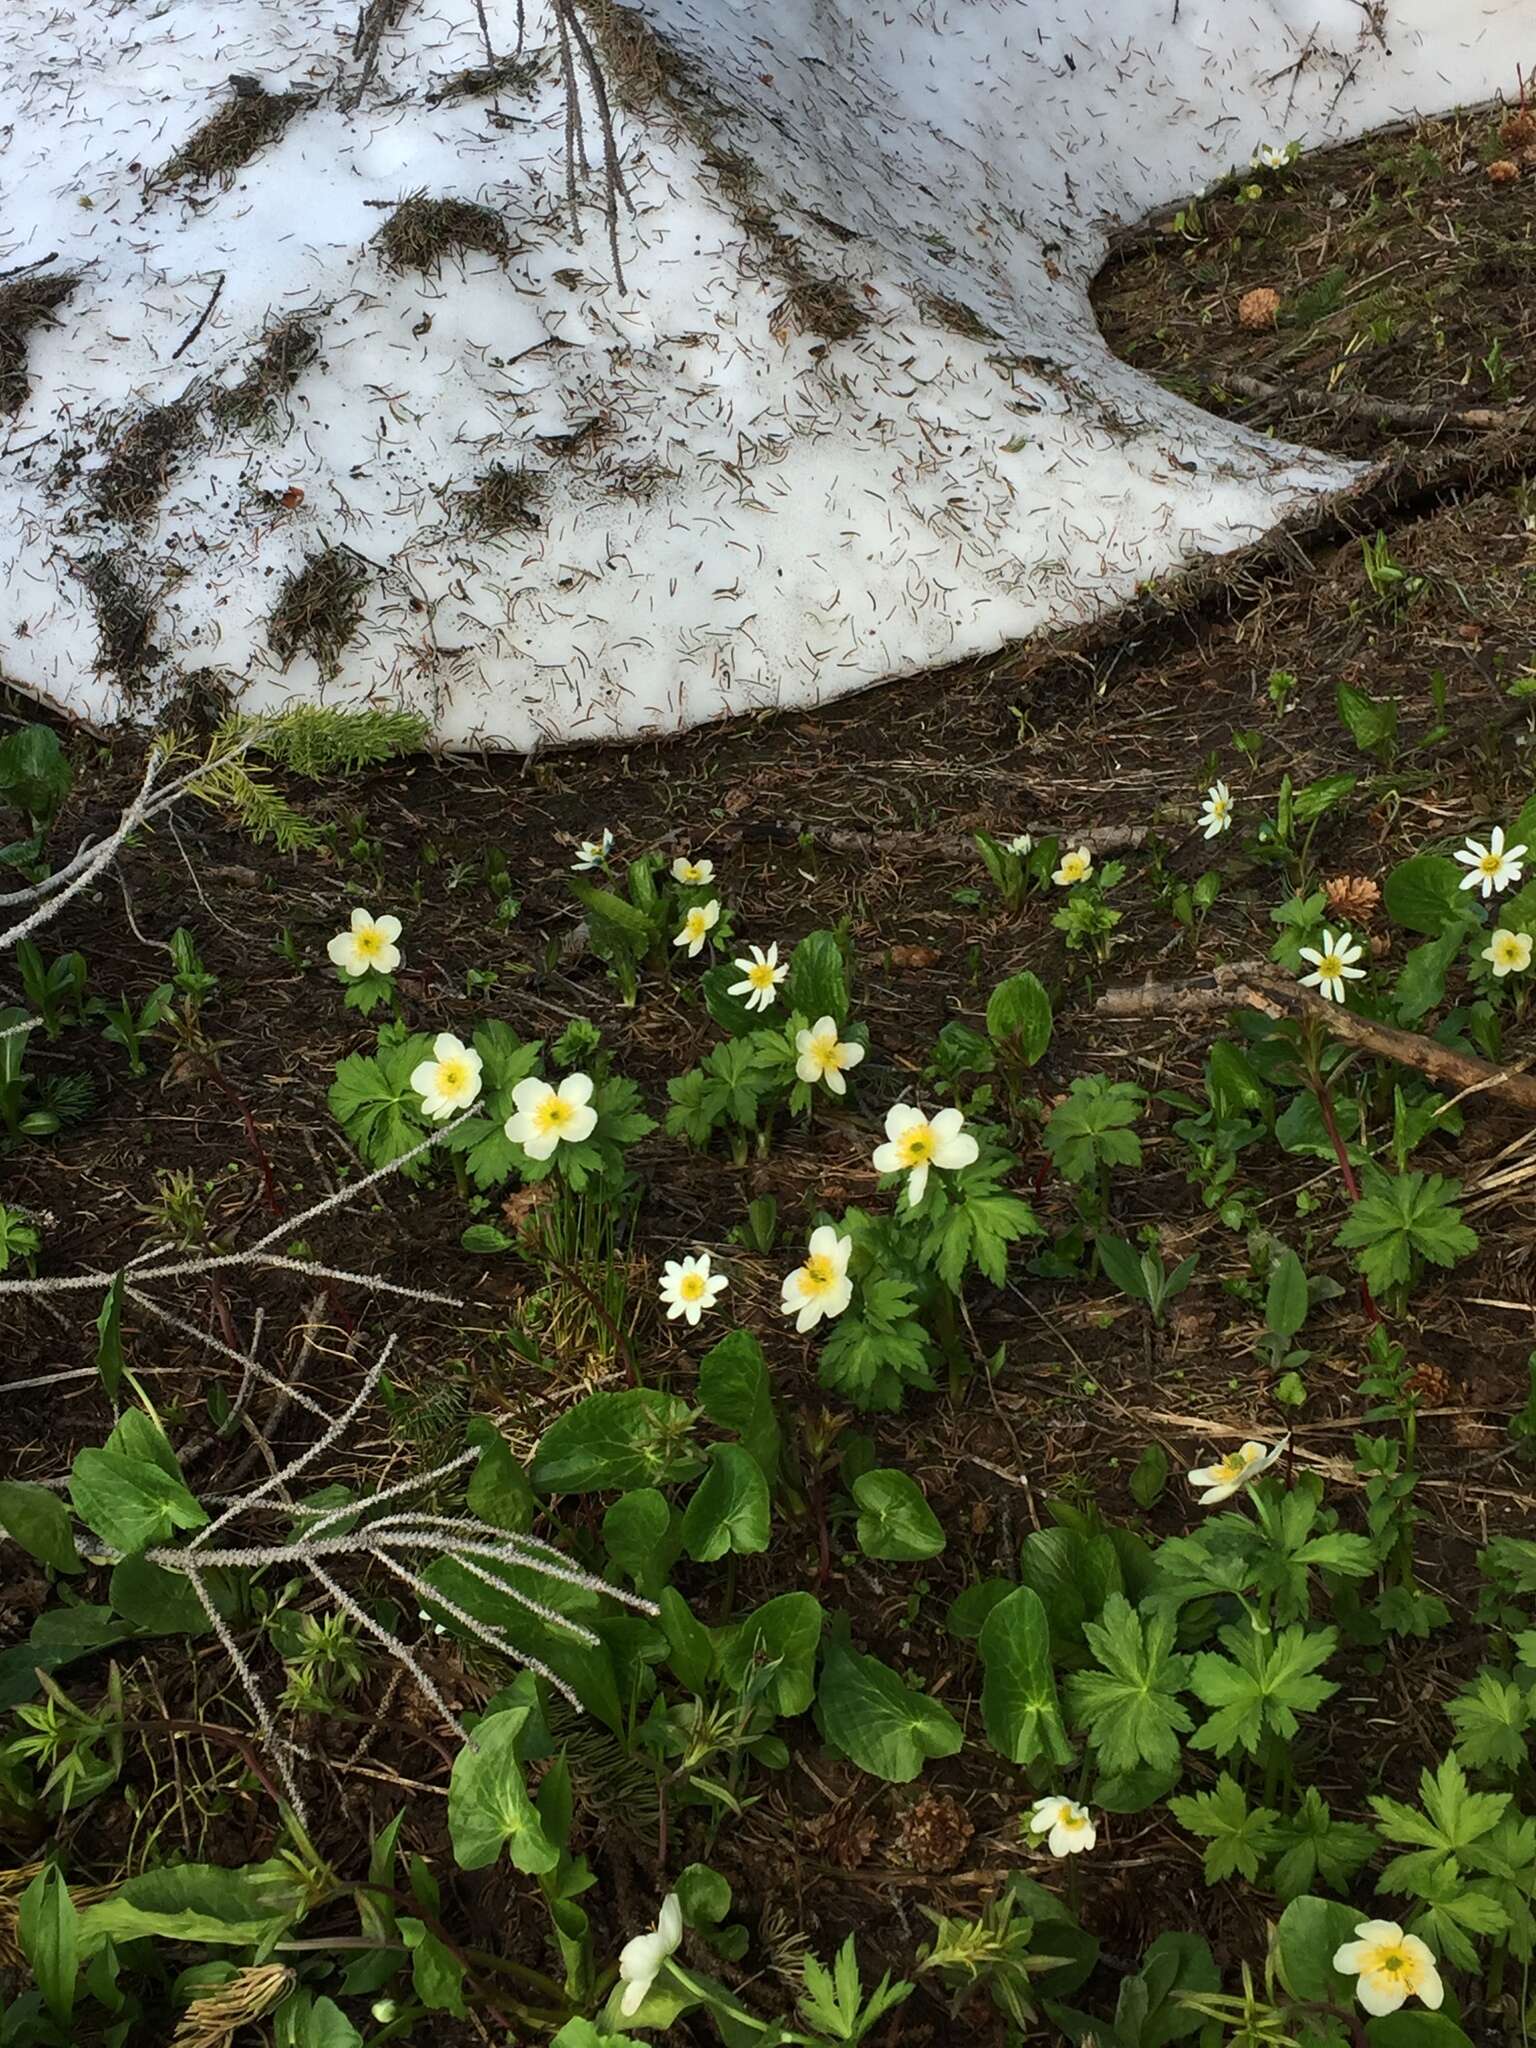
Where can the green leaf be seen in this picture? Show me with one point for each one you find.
(437, 1975)
(1122, 1265)
(895, 1520)
(1074, 1574)
(39, 1521)
(1414, 2027)
(691, 1650)
(1403, 1217)
(1019, 1018)
(783, 1634)
(1150, 1476)
(1268, 1680)
(881, 1724)
(623, 1440)
(48, 1928)
(639, 1536)
(1370, 721)
(1425, 893)
(1134, 1791)
(816, 985)
(1091, 1126)
(1421, 984)
(1130, 1707)
(1019, 1706)
(163, 1603)
(1238, 1837)
(735, 1391)
(1492, 1718)
(1317, 1848)
(1316, 799)
(109, 1338)
(35, 774)
(59, 1636)
(1309, 1934)
(488, 1805)
(129, 1502)
(1287, 1301)
(729, 1509)
(499, 1491)
(308, 2022)
(196, 1902)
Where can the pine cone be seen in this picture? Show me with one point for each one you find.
(1353, 899)
(1503, 172)
(1258, 308)
(934, 1834)
(1517, 131)
(845, 1835)
(1433, 1385)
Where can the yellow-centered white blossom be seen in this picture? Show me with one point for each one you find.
(693, 874)
(642, 1958)
(1076, 866)
(1492, 868)
(688, 1287)
(1389, 1967)
(1068, 1828)
(820, 1055)
(698, 923)
(448, 1081)
(821, 1286)
(544, 1117)
(1216, 811)
(1508, 953)
(591, 853)
(760, 977)
(1235, 1471)
(368, 942)
(1333, 964)
(914, 1143)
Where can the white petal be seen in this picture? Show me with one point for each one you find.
(575, 1088)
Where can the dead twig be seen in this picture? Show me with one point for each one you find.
(1384, 412)
(1249, 984)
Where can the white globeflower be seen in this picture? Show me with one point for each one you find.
(1021, 844)
(693, 873)
(448, 1081)
(760, 977)
(591, 853)
(1228, 1475)
(821, 1286)
(697, 926)
(1390, 1967)
(1508, 953)
(1076, 866)
(545, 1117)
(1491, 868)
(914, 1143)
(689, 1287)
(368, 941)
(1067, 1827)
(641, 1959)
(1333, 963)
(822, 1056)
(1216, 811)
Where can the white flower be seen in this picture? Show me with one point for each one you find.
(1491, 867)
(641, 1959)
(1234, 1471)
(448, 1081)
(1216, 811)
(1076, 867)
(761, 976)
(1334, 964)
(1391, 1966)
(690, 1288)
(1068, 1827)
(821, 1286)
(368, 942)
(1269, 158)
(913, 1144)
(1508, 953)
(545, 1115)
(692, 873)
(823, 1056)
(591, 853)
(697, 926)
(1021, 844)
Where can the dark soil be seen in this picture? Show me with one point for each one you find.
(860, 813)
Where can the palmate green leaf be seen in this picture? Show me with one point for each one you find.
(1453, 1818)
(1092, 1125)
(1457, 1911)
(1492, 1718)
(1403, 1217)
(1316, 1848)
(1260, 1689)
(879, 1722)
(373, 1101)
(1238, 1837)
(1130, 1709)
(977, 1224)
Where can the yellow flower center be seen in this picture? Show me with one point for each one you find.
(761, 976)
(1233, 1467)
(452, 1075)
(817, 1274)
(1391, 1961)
(1219, 806)
(369, 942)
(827, 1054)
(553, 1114)
(1074, 867)
(1330, 967)
(692, 872)
(915, 1147)
(1073, 1822)
(691, 1287)
(694, 924)
(1490, 863)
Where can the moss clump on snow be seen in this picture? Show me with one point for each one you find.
(25, 303)
(319, 608)
(422, 232)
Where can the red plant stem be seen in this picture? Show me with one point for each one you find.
(252, 1138)
(1347, 1172)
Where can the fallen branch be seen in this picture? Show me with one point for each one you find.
(1250, 984)
(1384, 412)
